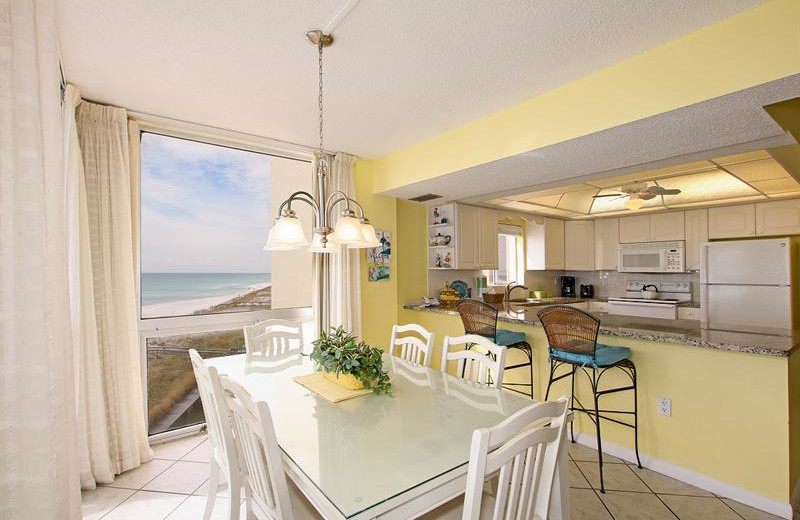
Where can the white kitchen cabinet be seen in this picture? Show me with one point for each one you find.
(696, 225)
(658, 227)
(732, 221)
(606, 244)
(579, 245)
(665, 227)
(544, 244)
(487, 239)
(467, 236)
(779, 217)
(634, 229)
(688, 313)
(476, 237)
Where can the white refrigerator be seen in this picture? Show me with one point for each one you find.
(748, 285)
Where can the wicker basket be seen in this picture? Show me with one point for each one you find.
(493, 297)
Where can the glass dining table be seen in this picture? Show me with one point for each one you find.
(380, 456)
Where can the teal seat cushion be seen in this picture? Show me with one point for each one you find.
(604, 356)
(506, 337)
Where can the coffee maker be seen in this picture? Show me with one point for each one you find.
(568, 286)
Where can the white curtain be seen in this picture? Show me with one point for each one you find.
(39, 477)
(337, 276)
(111, 417)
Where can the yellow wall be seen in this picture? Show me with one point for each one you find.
(378, 299)
(729, 410)
(748, 49)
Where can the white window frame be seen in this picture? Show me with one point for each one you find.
(519, 273)
(172, 326)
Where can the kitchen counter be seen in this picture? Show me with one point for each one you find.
(778, 343)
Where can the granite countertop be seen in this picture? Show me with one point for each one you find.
(769, 342)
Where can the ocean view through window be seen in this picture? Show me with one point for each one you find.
(205, 210)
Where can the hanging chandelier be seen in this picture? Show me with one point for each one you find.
(352, 229)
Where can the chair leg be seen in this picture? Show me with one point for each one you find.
(597, 427)
(572, 405)
(530, 359)
(235, 501)
(213, 484)
(635, 416)
(550, 379)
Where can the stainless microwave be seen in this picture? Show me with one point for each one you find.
(652, 257)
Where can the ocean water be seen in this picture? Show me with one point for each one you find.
(173, 287)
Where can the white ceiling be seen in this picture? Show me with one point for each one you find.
(400, 72)
(726, 125)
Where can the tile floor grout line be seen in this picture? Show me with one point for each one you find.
(159, 474)
(728, 506)
(596, 493)
(656, 494)
(165, 517)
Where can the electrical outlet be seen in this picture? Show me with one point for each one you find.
(665, 406)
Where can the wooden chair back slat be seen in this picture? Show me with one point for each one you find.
(484, 364)
(264, 477)
(270, 340)
(417, 348)
(524, 459)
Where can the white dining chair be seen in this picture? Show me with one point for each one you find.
(223, 457)
(267, 494)
(270, 340)
(416, 348)
(478, 359)
(512, 467)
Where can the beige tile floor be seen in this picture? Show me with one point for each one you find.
(173, 487)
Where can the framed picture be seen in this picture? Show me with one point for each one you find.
(379, 258)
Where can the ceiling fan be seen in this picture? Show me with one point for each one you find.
(639, 193)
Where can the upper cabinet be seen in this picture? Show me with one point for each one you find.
(476, 237)
(732, 221)
(634, 229)
(780, 217)
(487, 238)
(544, 244)
(696, 224)
(665, 227)
(659, 227)
(578, 240)
(606, 244)
(462, 237)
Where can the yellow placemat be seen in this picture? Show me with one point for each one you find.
(327, 389)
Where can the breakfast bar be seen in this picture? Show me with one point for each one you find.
(725, 390)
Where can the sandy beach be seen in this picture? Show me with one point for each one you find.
(257, 294)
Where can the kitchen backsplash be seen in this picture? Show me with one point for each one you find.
(606, 283)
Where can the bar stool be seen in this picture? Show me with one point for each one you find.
(572, 338)
(481, 318)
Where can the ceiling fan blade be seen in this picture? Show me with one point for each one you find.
(674, 191)
(609, 195)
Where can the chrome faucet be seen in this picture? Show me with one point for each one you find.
(510, 287)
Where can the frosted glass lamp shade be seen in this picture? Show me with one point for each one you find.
(348, 231)
(287, 233)
(369, 237)
(634, 203)
(330, 246)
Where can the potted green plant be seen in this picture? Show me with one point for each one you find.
(349, 362)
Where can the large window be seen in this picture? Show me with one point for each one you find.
(510, 256)
(204, 216)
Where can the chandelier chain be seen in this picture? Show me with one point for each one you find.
(319, 46)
